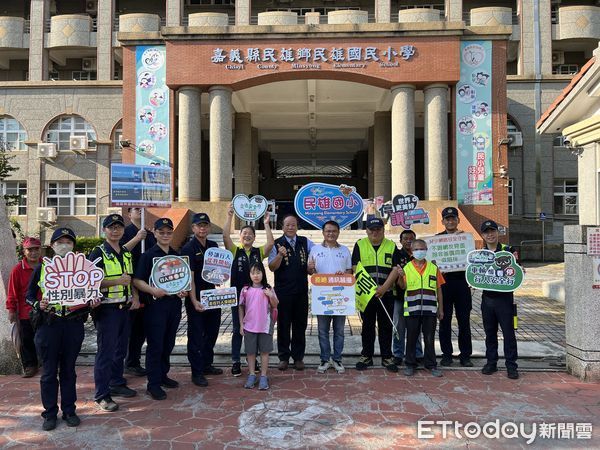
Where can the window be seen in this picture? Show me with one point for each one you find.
(17, 189)
(117, 152)
(12, 133)
(72, 198)
(565, 197)
(61, 130)
(511, 199)
(83, 75)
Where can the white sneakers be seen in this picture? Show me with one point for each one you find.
(325, 365)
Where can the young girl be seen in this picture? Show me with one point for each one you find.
(258, 312)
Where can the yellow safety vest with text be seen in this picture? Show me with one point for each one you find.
(113, 270)
(420, 297)
(377, 264)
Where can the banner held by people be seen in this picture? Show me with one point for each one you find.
(333, 294)
(217, 265)
(493, 271)
(317, 203)
(365, 287)
(172, 273)
(449, 251)
(402, 211)
(249, 209)
(218, 298)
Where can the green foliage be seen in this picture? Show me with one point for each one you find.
(5, 170)
(87, 244)
(17, 230)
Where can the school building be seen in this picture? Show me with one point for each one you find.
(432, 97)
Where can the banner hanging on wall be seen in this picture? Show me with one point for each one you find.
(152, 107)
(474, 125)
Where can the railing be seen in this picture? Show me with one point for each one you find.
(431, 6)
(27, 26)
(467, 17)
(565, 69)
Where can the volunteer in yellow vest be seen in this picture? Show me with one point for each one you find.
(423, 305)
(111, 318)
(378, 256)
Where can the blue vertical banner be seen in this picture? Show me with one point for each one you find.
(152, 106)
(474, 145)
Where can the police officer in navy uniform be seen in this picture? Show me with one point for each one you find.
(289, 260)
(162, 315)
(457, 294)
(58, 341)
(497, 308)
(202, 325)
(111, 317)
(132, 239)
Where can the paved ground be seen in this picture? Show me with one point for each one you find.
(374, 409)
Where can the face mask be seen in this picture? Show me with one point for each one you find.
(62, 249)
(419, 254)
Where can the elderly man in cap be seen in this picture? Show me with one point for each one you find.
(18, 309)
(378, 256)
(203, 325)
(497, 308)
(58, 340)
(163, 312)
(457, 297)
(111, 318)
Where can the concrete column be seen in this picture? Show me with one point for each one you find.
(371, 161)
(255, 168)
(38, 55)
(582, 334)
(382, 154)
(220, 143)
(527, 51)
(383, 11)
(189, 145)
(243, 9)
(104, 40)
(174, 13)
(454, 10)
(436, 142)
(403, 139)
(243, 154)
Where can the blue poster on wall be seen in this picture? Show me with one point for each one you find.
(474, 125)
(316, 203)
(152, 106)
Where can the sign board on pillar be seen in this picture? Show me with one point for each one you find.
(593, 241)
(142, 186)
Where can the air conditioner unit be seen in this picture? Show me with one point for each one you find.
(111, 211)
(46, 150)
(91, 6)
(558, 58)
(46, 215)
(79, 144)
(515, 139)
(88, 64)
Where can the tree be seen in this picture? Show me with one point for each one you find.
(6, 169)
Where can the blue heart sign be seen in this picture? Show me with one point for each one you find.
(316, 203)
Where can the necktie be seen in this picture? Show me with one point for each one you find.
(293, 244)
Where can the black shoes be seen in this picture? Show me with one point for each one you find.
(122, 391)
(212, 370)
(137, 371)
(466, 362)
(489, 369)
(200, 380)
(513, 374)
(397, 361)
(49, 423)
(107, 404)
(236, 369)
(156, 393)
(388, 363)
(169, 383)
(72, 420)
(446, 361)
(364, 362)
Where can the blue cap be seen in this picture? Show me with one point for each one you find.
(450, 211)
(200, 218)
(62, 232)
(163, 222)
(374, 222)
(112, 219)
(488, 224)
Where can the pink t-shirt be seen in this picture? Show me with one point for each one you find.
(257, 318)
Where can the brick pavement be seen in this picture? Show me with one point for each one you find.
(374, 409)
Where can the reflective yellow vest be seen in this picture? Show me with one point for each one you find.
(420, 297)
(113, 270)
(377, 264)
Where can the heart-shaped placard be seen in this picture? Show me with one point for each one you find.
(249, 209)
(316, 203)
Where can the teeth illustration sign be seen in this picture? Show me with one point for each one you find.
(249, 209)
(71, 281)
(493, 271)
(217, 265)
(333, 295)
(403, 212)
(317, 203)
(172, 273)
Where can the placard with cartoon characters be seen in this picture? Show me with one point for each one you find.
(493, 271)
(333, 294)
(172, 273)
(403, 212)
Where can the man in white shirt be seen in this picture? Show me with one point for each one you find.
(330, 257)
